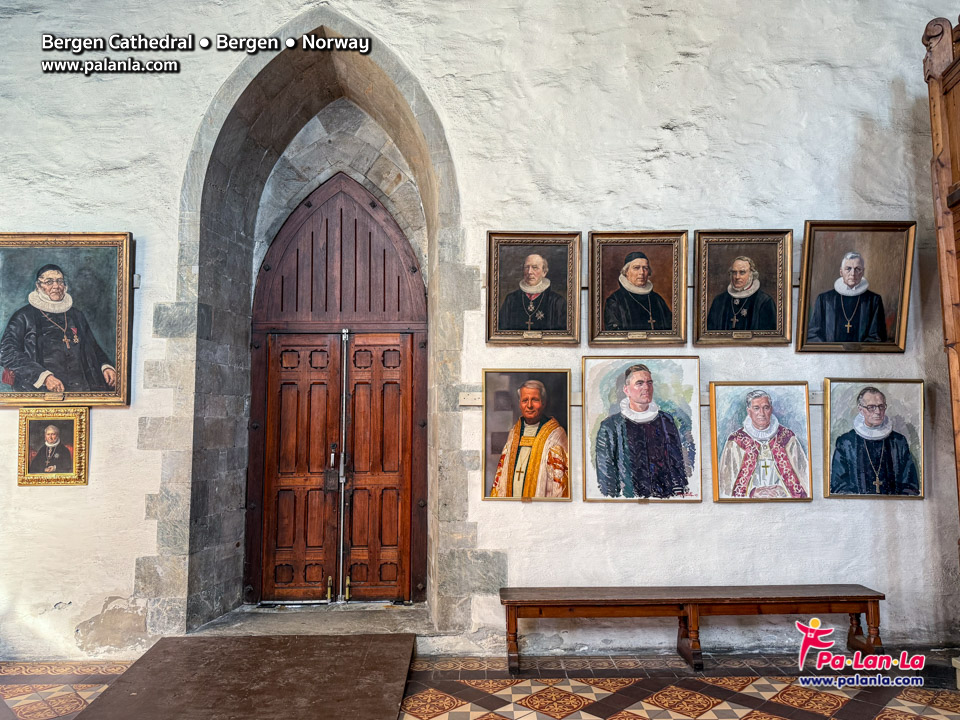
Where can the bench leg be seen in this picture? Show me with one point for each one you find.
(870, 643)
(513, 651)
(688, 637)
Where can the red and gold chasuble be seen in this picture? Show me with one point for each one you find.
(778, 447)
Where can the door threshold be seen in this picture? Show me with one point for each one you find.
(324, 603)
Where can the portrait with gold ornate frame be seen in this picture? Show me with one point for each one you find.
(526, 422)
(760, 433)
(855, 286)
(873, 438)
(65, 318)
(743, 287)
(53, 446)
(638, 287)
(533, 288)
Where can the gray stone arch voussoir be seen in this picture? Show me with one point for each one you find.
(196, 575)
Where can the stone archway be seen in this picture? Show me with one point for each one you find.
(256, 114)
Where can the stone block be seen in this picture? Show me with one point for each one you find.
(372, 134)
(164, 433)
(471, 572)
(313, 131)
(341, 116)
(457, 535)
(176, 467)
(199, 608)
(453, 613)
(187, 283)
(160, 576)
(364, 159)
(393, 154)
(150, 506)
(452, 501)
(204, 321)
(406, 201)
(166, 616)
(172, 320)
(386, 175)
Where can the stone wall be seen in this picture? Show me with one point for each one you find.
(556, 115)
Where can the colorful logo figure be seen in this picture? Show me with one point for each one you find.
(813, 637)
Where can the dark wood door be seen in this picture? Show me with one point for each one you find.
(339, 261)
(301, 495)
(378, 440)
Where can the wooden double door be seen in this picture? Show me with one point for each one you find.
(303, 528)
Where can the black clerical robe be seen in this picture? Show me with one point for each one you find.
(832, 311)
(640, 459)
(756, 312)
(624, 310)
(57, 457)
(61, 343)
(859, 463)
(546, 311)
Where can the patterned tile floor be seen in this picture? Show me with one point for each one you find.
(662, 687)
(744, 687)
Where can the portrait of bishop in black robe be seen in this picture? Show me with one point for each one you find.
(873, 458)
(639, 451)
(635, 305)
(48, 345)
(850, 312)
(534, 305)
(743, 306)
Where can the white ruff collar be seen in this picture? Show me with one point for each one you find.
(861, 428)
(761, 435)
(51, 446)
(747, 291)
(859, 289)
(535, 289)
(636, 289)
(638, 417)
(44, 303)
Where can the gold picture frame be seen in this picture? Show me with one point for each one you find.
(621, 312)
(502, 422)
(89, 276)
(844, 434)
(763, 307)
(746, 446)
(885, 252)
(676, 392)
(550, 316)
(43, 462)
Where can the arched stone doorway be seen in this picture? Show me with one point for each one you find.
(339, 371)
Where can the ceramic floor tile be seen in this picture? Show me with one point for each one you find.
(732, 682)
(430, 704)
(765, 687)
(816, 701)
(558, 702)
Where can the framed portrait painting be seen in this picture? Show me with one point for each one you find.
(743, 287)
(873, 438)
(533, 288)
(526, 418)
(855, 286)
(65, 318)
(761, 441)
(641, 429)
(638, 287)
(53, 446)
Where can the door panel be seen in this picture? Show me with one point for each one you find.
(303, 422)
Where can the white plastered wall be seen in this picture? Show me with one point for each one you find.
(559, 115)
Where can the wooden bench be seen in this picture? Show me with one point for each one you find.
(689, 604)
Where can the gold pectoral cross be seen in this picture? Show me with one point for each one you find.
(876, 482)
(766, 466)
(66, 341)
(529, 322)
(733, 321)
(651, 322)
(848, 325)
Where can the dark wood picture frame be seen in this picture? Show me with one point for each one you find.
(97, 268)
(556, 309)
(887, 256)
(764, 305)
(613, 300)
(68, 463)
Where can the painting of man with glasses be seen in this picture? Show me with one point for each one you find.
(873, 458)
(48, 344)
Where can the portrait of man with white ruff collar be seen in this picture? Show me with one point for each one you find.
(67, 341)
(874, 438)
(761, 441)
(533, 287)
(638, 287)
(743, 287)
(855, 286)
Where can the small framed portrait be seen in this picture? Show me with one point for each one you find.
(855, 286)
(641, 429)
(533, 288)
(873, 438)
(53, 446)
(526, 418)
(761, 441)
(743, 287)
(65, 318)
(638, 287)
